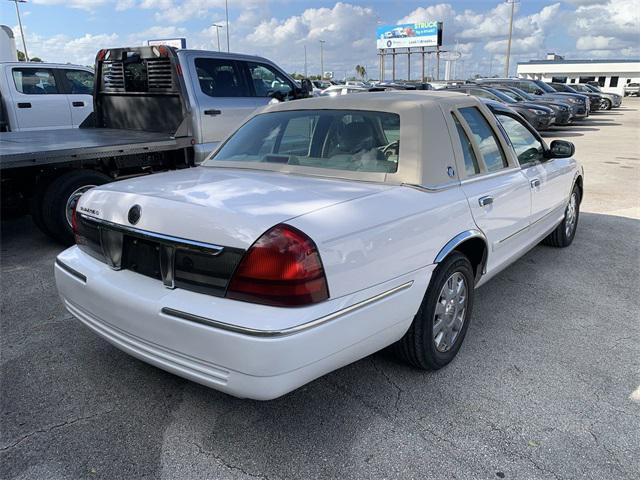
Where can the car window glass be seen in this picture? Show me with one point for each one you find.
(485, 138)
(476, 92)
(267, 80)
(470, 161)
(337, 139)
(80, 81)
(34, 81)
(528, 148)
(220, 78)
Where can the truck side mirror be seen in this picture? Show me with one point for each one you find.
(307, 87)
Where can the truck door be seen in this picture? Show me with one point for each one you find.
(38, 99)
(223, 99)
(79, 88)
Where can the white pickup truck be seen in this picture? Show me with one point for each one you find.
(152, 109)
(318, 233)
(38, 96)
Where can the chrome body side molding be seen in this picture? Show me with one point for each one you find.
(286, 331)
(457, 240)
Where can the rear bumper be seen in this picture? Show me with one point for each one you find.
(168, 328)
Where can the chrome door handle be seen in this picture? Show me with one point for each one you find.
(485, 201)
(535, 183)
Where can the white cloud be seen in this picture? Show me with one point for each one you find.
(599, 28)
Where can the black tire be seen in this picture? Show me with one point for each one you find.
(418, 346)
(35, 209)
(606, 104)
(562, 237)
(56, 196)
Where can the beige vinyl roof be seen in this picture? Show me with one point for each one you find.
(391, 101)
(427, 152)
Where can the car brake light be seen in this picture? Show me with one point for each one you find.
(282, 268)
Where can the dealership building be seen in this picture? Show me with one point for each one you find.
(611, 75)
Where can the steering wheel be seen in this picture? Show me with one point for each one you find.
(387, 149)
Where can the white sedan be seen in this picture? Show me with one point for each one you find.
(321, 231)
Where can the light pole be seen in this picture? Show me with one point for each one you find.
(506, 64)
(218, 27)
(226, 9)
(24, 44)
(305, 62)
(322, 42)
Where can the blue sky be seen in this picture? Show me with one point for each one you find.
(73, 30)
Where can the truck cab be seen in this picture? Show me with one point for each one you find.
(39, 96)
(225, 88)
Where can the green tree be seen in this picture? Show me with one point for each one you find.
(36, 59)
(361, 71)
(21, 57)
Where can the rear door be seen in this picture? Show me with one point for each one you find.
(79, 89)
(38, 99)
(498, 193)
(222, 94)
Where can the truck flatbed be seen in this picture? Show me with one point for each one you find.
(19, 149)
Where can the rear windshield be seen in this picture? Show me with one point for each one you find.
(355, 140)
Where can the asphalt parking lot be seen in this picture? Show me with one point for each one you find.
(547, 384)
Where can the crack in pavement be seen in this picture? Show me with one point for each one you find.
(51, 428)
(390, 381)
(221, 461)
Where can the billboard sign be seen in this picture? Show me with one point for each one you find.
(170, 42)
(409, 35)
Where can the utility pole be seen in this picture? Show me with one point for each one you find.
(218, 27)
(305, 62)
(322, 42)
(506, 64)
(226, 9)
(24, 44)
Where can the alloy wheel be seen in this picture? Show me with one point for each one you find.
(449, 315)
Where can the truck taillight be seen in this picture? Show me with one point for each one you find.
(74, 219)
(282, 268)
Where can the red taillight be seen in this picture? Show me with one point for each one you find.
(283, 268)
(101, 55)
(74, 219)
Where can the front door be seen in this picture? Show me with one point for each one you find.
(545, 176)
(223, 97)
(39, 101)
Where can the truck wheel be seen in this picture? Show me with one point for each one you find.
(439, 327)
(564, 233)
(61, 197)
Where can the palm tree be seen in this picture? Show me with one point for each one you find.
(361, 71)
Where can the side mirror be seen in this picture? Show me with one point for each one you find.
(561, 149)
(307, 86)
